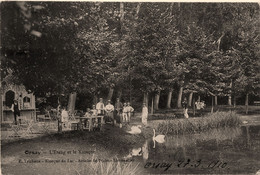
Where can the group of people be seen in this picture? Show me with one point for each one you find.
(200, 105)
(118, 113)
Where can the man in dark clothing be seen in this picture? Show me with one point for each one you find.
(16, 110)
(118, 111)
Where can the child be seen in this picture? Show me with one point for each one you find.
(94, 111)
(130, 109)
(88, 113)
(124, 113)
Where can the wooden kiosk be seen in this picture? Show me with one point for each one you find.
(25, 99)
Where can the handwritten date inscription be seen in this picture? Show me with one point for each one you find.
(186, 164)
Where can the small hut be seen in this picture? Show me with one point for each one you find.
(26, 100)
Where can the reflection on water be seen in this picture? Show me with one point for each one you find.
(223, 150)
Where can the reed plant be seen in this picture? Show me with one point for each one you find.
(108, 167)
(196, 125)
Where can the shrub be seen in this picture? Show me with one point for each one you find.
(195, 125)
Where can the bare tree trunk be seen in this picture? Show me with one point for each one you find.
(212, 105)
(1, 105)
(95, 99)
(180, 97)
(246, 103)
(190, 98)
(152, 106)
(145, 100)
(72, 102)
(235, 101)
(156, 100)
(248, 136)
(169, 99)
(121, 11)
(119, 95)
(138, 9)
(194, 108)
(199, 98)
(216, 100)
(229, 100)
(110, 93)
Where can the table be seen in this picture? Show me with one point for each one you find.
(92, 122)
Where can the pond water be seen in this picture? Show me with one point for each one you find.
(219, 151)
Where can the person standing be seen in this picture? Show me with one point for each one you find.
(16, 110)
(130, 109)
(185, 107)
(144, 114)
(100, 107)
(118, 111)
(65, 119)
(110, 111)
(118, 106)
(124, 112)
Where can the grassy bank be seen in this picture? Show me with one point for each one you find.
(195, 125)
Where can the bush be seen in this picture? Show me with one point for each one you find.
(195, 125)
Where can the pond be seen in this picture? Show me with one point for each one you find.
(219, 151)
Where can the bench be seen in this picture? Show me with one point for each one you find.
(257, 103)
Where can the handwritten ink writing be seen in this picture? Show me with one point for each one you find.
(164, 165)
(186, 164)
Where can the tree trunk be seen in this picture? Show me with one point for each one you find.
(212, 105)
(119, 95)
(110, 93)
(145, 100)
(1, 105)
(235, 101)
(247, 136)
(199, 98)
(229, 100)
(246, 103)
(194, 108)
(152, 107)
(190, 98)
(72, 102)
(216, 100)
(121, 16)
(138, 9)
(156, 100)
(95, 99)
(169, 99)
(179, 97)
